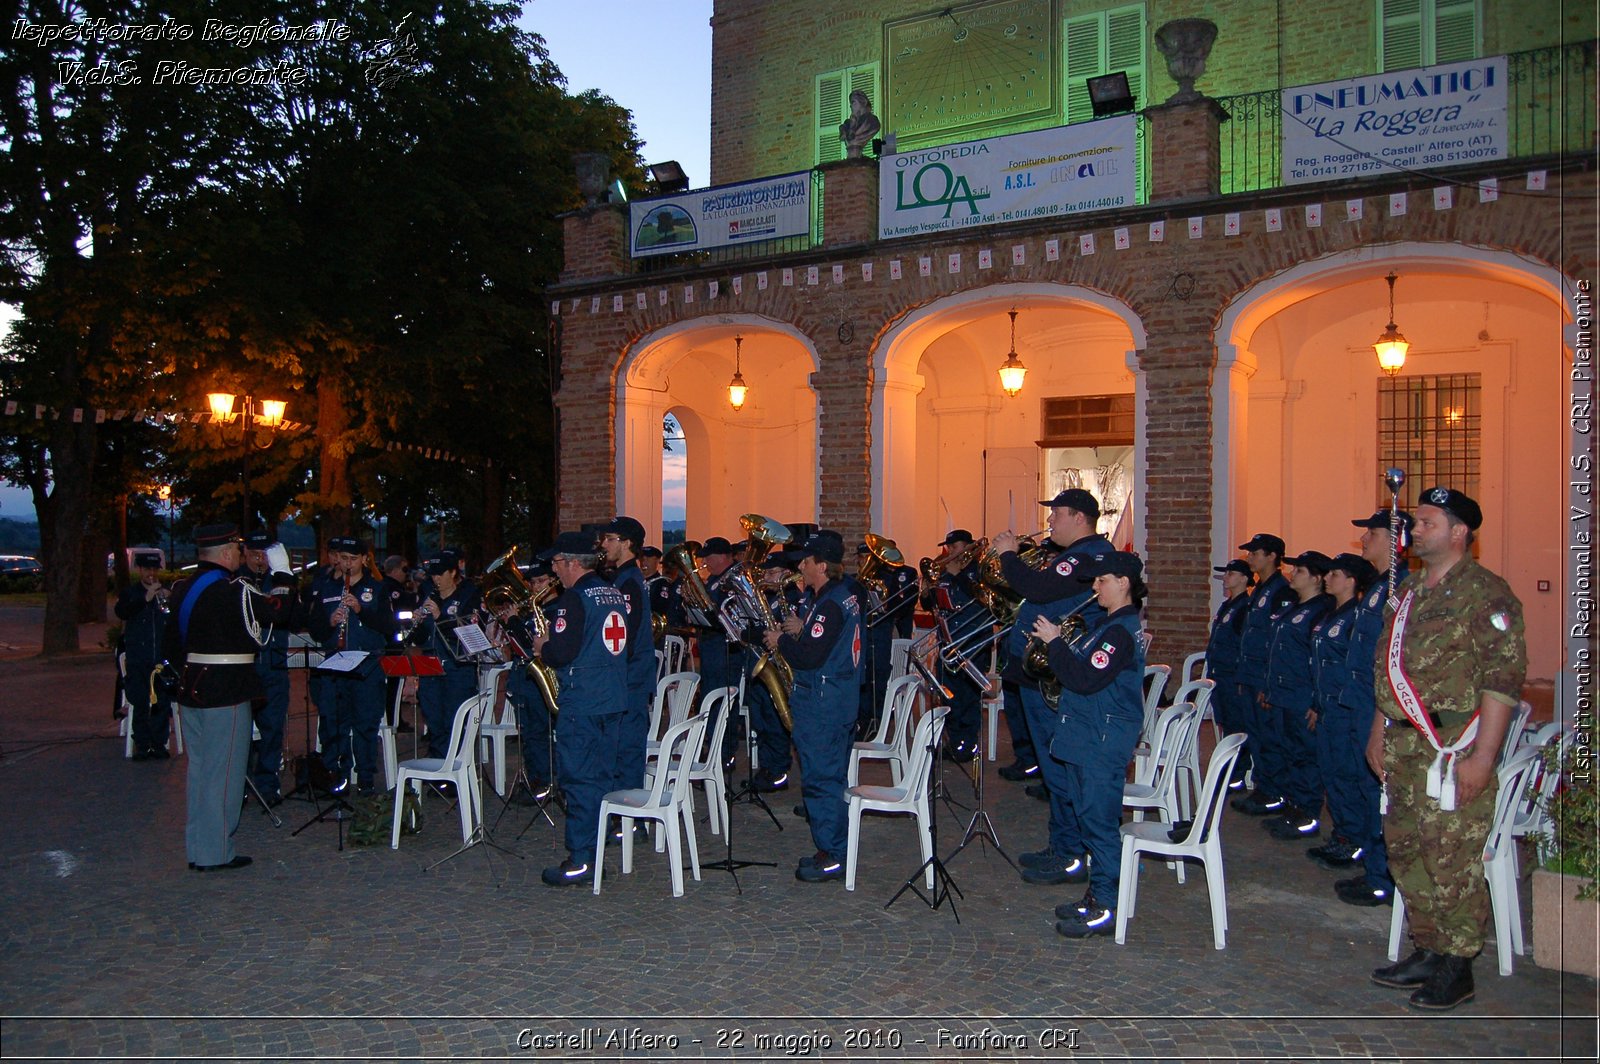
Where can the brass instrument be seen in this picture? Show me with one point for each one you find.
(881, 551)
(507, 592)
(747, 606)
(999, 599)
(696, 596)
(1036, 656)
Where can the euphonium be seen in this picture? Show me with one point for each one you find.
(538, 671)
(696, 596)
(1036, 656)
(771, 668)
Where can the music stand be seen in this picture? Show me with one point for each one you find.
(980, 827)
(303, 653)
(481, 835)
(339, 663)
(943, 882)
(729, 864)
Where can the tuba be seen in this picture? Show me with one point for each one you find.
(747, 606)
(696, 596)
(507, 592)
(881, 551)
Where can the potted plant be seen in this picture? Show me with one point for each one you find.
(1566, 915)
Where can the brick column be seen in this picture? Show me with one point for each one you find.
(849, 202)
(1185, 149)
(1177, 363)
(595, 242)
(843, 387)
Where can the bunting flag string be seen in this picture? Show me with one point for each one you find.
(1053, 249)
(100, 415)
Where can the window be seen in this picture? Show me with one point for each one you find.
(1103, 43)
(1086, 420)
(1415, 33)
(1431, 427)
(833, 105)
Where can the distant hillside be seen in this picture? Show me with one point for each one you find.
(18, 537)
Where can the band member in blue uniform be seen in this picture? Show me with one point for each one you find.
(721, 660)
(619, 543)
(772, 740)
(142, 609)
(272, 665)
(217, 627)
(886, 615)
(533, 711)
(1286, 702)
(587, 645)
(447, 600)
(1262, 756)
(1052, 591)
(824, 647)
(1374, 886)
(1222, 652)
(1338, 754)
(954, 605)
(1101, 672)
(349, 612)
(666, 596)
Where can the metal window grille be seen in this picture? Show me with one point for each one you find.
(1431, 426)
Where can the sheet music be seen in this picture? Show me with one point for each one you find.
(343, 661)
(472, 640)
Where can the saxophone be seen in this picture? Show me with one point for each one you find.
(540, 673)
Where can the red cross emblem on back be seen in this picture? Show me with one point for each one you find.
(614, 632)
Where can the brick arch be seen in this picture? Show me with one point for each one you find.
(895, 382)
(682, 367)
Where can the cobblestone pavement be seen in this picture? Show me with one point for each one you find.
(112, 949)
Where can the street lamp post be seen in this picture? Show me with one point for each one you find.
(270, 416)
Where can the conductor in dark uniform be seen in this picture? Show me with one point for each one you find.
(218, 626)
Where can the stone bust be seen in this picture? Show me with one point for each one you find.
(860, 128)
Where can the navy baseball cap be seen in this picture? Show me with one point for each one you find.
(958, 535)
(346, 545)
(1314, 560)
(824, 548)
(1358, 567)
(1264, 541)
(1113, 563)
(1380, 519)
(1235, 566)
(1075, 499)
(714, 545)
(571, 543)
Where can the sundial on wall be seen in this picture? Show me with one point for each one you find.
(960, 69)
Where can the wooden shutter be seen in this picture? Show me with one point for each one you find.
(1455, 30)
(1400, 34)
(833, 106)
(1125, 48)
(1103, 43)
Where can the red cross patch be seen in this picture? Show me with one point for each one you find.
(560, 625)
(855, 647)
(614, 633)
(1099, 659)
(816, 630)
(1064, 567)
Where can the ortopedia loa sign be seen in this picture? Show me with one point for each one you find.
(745, 213)
(1414, 119)
(1064, 170)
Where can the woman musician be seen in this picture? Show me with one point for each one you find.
(1101, 671)
(446, 600)
(142, 608)
(350, 611)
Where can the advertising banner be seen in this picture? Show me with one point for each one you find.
(745, 213)
(1414, 119)
(1063, 170)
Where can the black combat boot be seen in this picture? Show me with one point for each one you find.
(1449, 985)
(1409, 973)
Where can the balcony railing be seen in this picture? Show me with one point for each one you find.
(1549, 103)
(763, 249)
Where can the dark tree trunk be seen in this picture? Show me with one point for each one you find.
(72, 449)
(333, 459)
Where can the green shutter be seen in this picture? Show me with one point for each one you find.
(1085, 58)
(833, 105)
(1400, 34)
(1455, 30)
(1125, 48)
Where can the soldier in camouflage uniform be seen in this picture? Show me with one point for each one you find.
(1459, 651)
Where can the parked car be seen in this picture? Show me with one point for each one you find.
(20, 565)
(133, 552)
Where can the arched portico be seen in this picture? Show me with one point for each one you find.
(949, 448)
(760, 458)
(1295, 401)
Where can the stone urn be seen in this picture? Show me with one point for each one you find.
(1186, 42)
(593, 169)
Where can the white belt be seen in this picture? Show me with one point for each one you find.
(220, 659)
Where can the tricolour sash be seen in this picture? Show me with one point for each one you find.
(1442, 773)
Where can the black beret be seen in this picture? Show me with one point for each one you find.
(1075, 499)
(1462, 507)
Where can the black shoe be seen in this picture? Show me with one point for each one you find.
(1410, 973)
(960, 752)
(766, 783)
(1257, 804)
(1020, 770)
(1301, 826)
(146, 754)
(532, 794)
(1357, 891)
(239, 861)
(1449, 985)
(567, 873)
(1045, 858)
(272, 800)
(800, 811)
(1074, 910)
(343, 784)
(1335, 855)
(366, 790)
(160, 753)
(1037, 790)
(641, 833)
(1085, 924)
(1180, 830)
(1068, 870)
(821, 868)
(446, 789)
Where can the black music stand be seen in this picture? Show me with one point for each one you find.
(729, 864)
(345, 661)
(481, 835)
(303, 655)
(980, 828)
(943, 883)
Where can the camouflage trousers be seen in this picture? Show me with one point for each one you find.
(1436, 857)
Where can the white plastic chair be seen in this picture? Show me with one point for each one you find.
(457, 766)
(706, 766)
(899, 658)
(1532, 815)
(499, 725)
(1499, 864)
(1176, 728)
(1155, 682)
(675, 692)
(1514, 733)
(1199, 692)
(1194, 668)
(911, 796)
(894, 725)
(671, 656)
(1203, 842)
(665, 800)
